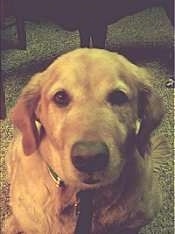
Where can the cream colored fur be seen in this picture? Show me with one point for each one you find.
(127, 195)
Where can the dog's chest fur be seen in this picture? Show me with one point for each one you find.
(110, 213)
(115, 207)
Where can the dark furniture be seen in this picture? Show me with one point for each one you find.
(89, 17)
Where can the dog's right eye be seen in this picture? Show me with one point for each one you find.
(117, 97)
(62, 98)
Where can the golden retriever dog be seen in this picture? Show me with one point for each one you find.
(83, 159)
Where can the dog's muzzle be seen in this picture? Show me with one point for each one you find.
(90, 156)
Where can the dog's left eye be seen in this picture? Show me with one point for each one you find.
(61, 98)
(117, 97)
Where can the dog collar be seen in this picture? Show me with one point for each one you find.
(58, 181)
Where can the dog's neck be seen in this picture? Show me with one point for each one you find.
(82, 206)
(96, 208)
(94, 204)
(79, 203)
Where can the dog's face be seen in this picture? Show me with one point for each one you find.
(94, 107)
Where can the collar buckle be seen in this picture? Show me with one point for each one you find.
(59, 182)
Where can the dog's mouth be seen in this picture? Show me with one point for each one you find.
(92, 178)
(91, 181)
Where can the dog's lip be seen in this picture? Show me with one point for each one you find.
(91, 181)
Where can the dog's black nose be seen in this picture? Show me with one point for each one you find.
(90, 156)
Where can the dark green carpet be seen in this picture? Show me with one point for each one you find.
(146, 38)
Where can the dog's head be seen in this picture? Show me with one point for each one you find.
(95, 109)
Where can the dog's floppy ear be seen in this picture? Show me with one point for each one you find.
(23, 114)
(150, 112)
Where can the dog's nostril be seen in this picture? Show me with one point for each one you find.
(90, 157)
(90, 164)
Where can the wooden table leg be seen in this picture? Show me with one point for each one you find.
(2, 100)
(21, 32)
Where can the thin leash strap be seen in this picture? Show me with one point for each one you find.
(84, 223)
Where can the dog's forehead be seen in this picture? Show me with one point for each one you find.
(91, 68)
